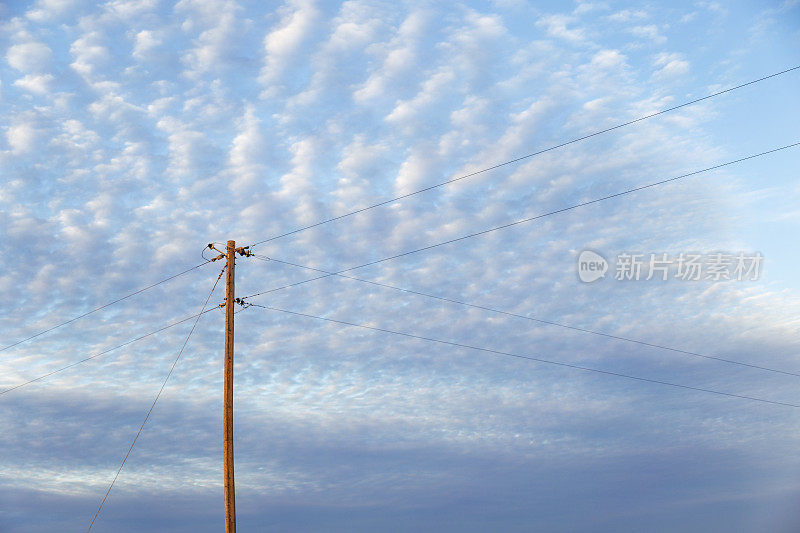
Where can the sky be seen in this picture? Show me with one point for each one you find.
(134, 133)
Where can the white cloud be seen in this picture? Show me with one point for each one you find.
(353, 34)
(113, 185)
(715, 8)
(29, 57)
(406, 114)
(284, 43)
(112, 107)
(90, 55)
(246, 152)
(37, 84)
(670, 65)
(217, 46)
(49, 10)
(608, 60)
(77, 140)
(187, 148)
(589, 7)
(129, 9)
(477, 44)
(22, 137)
(146, 43)
(200, 14)
(360, 161)
(557, 26)
(650, 32)
(399, 57)
(628, 15)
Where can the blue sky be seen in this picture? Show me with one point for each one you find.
(136, 132)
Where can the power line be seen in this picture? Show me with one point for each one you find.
(529, 358)
(71, 320)
(164, 384)
(543, 215)
(104, 352)
(532, 319)
(527, 156)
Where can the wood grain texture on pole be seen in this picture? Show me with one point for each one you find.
(227, 431)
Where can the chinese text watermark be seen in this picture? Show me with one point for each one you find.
(686, 266)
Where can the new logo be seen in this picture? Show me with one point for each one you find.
(591, 266)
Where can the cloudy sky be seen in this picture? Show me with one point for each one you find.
(135, 132)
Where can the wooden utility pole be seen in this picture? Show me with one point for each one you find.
(227, 431)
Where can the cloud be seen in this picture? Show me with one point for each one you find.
(589, 7)
(399, 57)
(188, 148)
(49, 10)
(285, 42)
(407, 113)
(146, 44)
(29, 57)
(22, 137)
(628, 15)
(37, 84)
(218, 45)
(649, 32)
(130, 9)
(557, 26)
(671, 65)
(90, 55)
(608, 59)
(714, 8)
(244, 156)
(147, 130)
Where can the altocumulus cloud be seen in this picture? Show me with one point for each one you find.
(134, 133)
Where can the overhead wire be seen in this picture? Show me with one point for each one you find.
(530, 155)
(71, 320)
(530, 358)
(530, 318)
(163, 385)
(416, 292)
(104, 352)
(530, 219)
